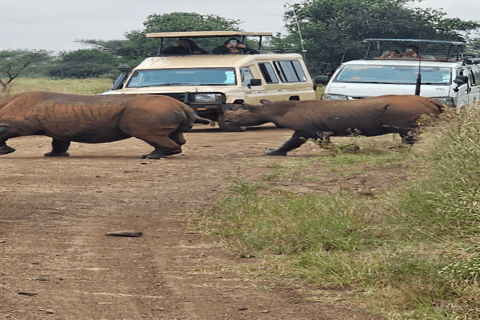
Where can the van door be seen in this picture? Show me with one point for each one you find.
(253, 94)
(474, 84)
(463, 90)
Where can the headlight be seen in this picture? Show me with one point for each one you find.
(207, 98)
(327, 96)
(448, 101)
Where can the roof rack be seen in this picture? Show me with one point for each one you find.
(207, 34)
(454, 47)
(454, 43)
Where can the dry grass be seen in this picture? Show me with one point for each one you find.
(73, 86)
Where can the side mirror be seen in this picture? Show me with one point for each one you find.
(321, 79)
(125, 70)
(255, 82)
(460, 81)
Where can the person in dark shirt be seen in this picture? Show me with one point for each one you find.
(183, 46)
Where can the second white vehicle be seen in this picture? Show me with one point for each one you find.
(451, 77)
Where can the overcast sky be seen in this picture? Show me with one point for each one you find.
(55, 25)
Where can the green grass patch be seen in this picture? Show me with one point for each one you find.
(285, 223)
(319, 92)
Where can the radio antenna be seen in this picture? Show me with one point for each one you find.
(418, 84)
(299, 32)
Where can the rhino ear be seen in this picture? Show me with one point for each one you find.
(265, 101)
(234, 106)
(252, 108)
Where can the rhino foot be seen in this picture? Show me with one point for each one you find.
(275, 153)
(159, 154)
(6, 149)
(53, 154)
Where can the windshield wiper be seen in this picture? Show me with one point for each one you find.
(174, 84)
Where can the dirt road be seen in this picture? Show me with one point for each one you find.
(56, 261)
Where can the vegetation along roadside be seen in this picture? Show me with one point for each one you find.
(407, 251)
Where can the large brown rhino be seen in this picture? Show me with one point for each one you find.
(158, 120)
(314, 119)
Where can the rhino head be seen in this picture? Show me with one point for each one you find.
(245, 115)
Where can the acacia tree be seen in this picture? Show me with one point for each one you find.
(333, 30)
(16, 62)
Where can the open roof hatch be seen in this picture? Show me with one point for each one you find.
(207, 34)
(437, 50)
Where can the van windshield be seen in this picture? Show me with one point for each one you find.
(183, 77)
(394, 74)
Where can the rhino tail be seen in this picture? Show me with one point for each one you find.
(199, 119)
(441, 107)
(193, 117)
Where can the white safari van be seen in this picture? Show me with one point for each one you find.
(430, 68)
(223, 72)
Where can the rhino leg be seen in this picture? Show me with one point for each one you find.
(161, 152)
(4, 149)
(164, 146)
(59, 149)
(177, 137)
(294, 142)
(4, 136)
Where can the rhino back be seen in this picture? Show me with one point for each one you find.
(66, 117)
(154, 115)
(333, 116)
(7, 100)
(371, 116)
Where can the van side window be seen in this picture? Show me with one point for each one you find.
(246, 76)
(299, 70)
(268, 72)
(290, 71)
(474, 77)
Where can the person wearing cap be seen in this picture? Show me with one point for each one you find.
(233, 45)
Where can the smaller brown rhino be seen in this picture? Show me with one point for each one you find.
(321, 119)
(158, 120)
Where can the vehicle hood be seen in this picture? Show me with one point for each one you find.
(173, 89)
(364, 90)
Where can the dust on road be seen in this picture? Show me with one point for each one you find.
(57, 262)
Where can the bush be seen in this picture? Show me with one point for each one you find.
(83, 64)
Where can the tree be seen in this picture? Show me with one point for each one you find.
(16, 62)
(178, 21)
(85, 63)
(474, 45)
(136, 46)
(333, 30)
